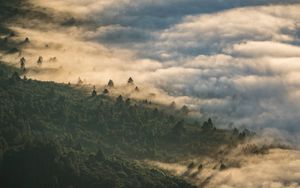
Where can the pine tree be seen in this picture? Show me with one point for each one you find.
(26, 40)
(119, 100)
(94, 92)
(79, 82)
(22, 63)
(185, 109)
(40, 61)
(110, 83)
(105, 91)
(130, 81)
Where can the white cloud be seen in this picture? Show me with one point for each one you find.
(264, 48)
(237, 65)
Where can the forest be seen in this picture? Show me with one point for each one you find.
(61, 133)
(68, 135)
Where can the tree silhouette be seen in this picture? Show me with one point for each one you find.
(208, 125)
(105, 91)
(110, 83)
(130, 81)
(119, 100)
(127, 102)
(185, 109)
(235, 132)
(26, 40)
(94, 92)
(100, 155)
(22, 63)
(40, 61)
(79, 82)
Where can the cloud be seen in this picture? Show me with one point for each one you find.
(264, 48)
(236, 61)
(275, 168)
(265, 171)
(214, 33)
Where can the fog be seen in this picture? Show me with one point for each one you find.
(266, 160)
(235, 61)
(278, 169)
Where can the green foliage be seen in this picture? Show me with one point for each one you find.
(80, 124)
(128, 128)
(49, 164)
(208, 125)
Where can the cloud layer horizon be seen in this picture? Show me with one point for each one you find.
(236, 61)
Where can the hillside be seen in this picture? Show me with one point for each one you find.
(66, 135)
(46, 124)
(51, 131)
(120, 126)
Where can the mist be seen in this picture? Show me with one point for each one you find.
(235, 61)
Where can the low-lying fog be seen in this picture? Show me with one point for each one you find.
(237, 62)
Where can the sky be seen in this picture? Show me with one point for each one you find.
(237, 61)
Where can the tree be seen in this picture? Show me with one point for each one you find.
(208, 125)
(130, 81)
(53, 59)
(127, 102)
(100, 155)
(119, 100)
(244, 134)
(235, 131)
(185, 109)
(110, 83)
(105, 91)
(40, 61)
(94, 92)
(26, 40)
(22, 63)
(79, 82)
(137, 89)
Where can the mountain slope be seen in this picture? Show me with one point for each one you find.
(50, 137)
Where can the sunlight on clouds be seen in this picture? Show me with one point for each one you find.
(238, 65)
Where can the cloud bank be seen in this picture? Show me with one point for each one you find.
(236, 61)
(278, 169)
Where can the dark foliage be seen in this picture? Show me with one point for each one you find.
(75, 125)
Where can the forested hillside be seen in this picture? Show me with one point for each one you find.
(64, 135)
(54, 136)
(120, 126)
(54, 130)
